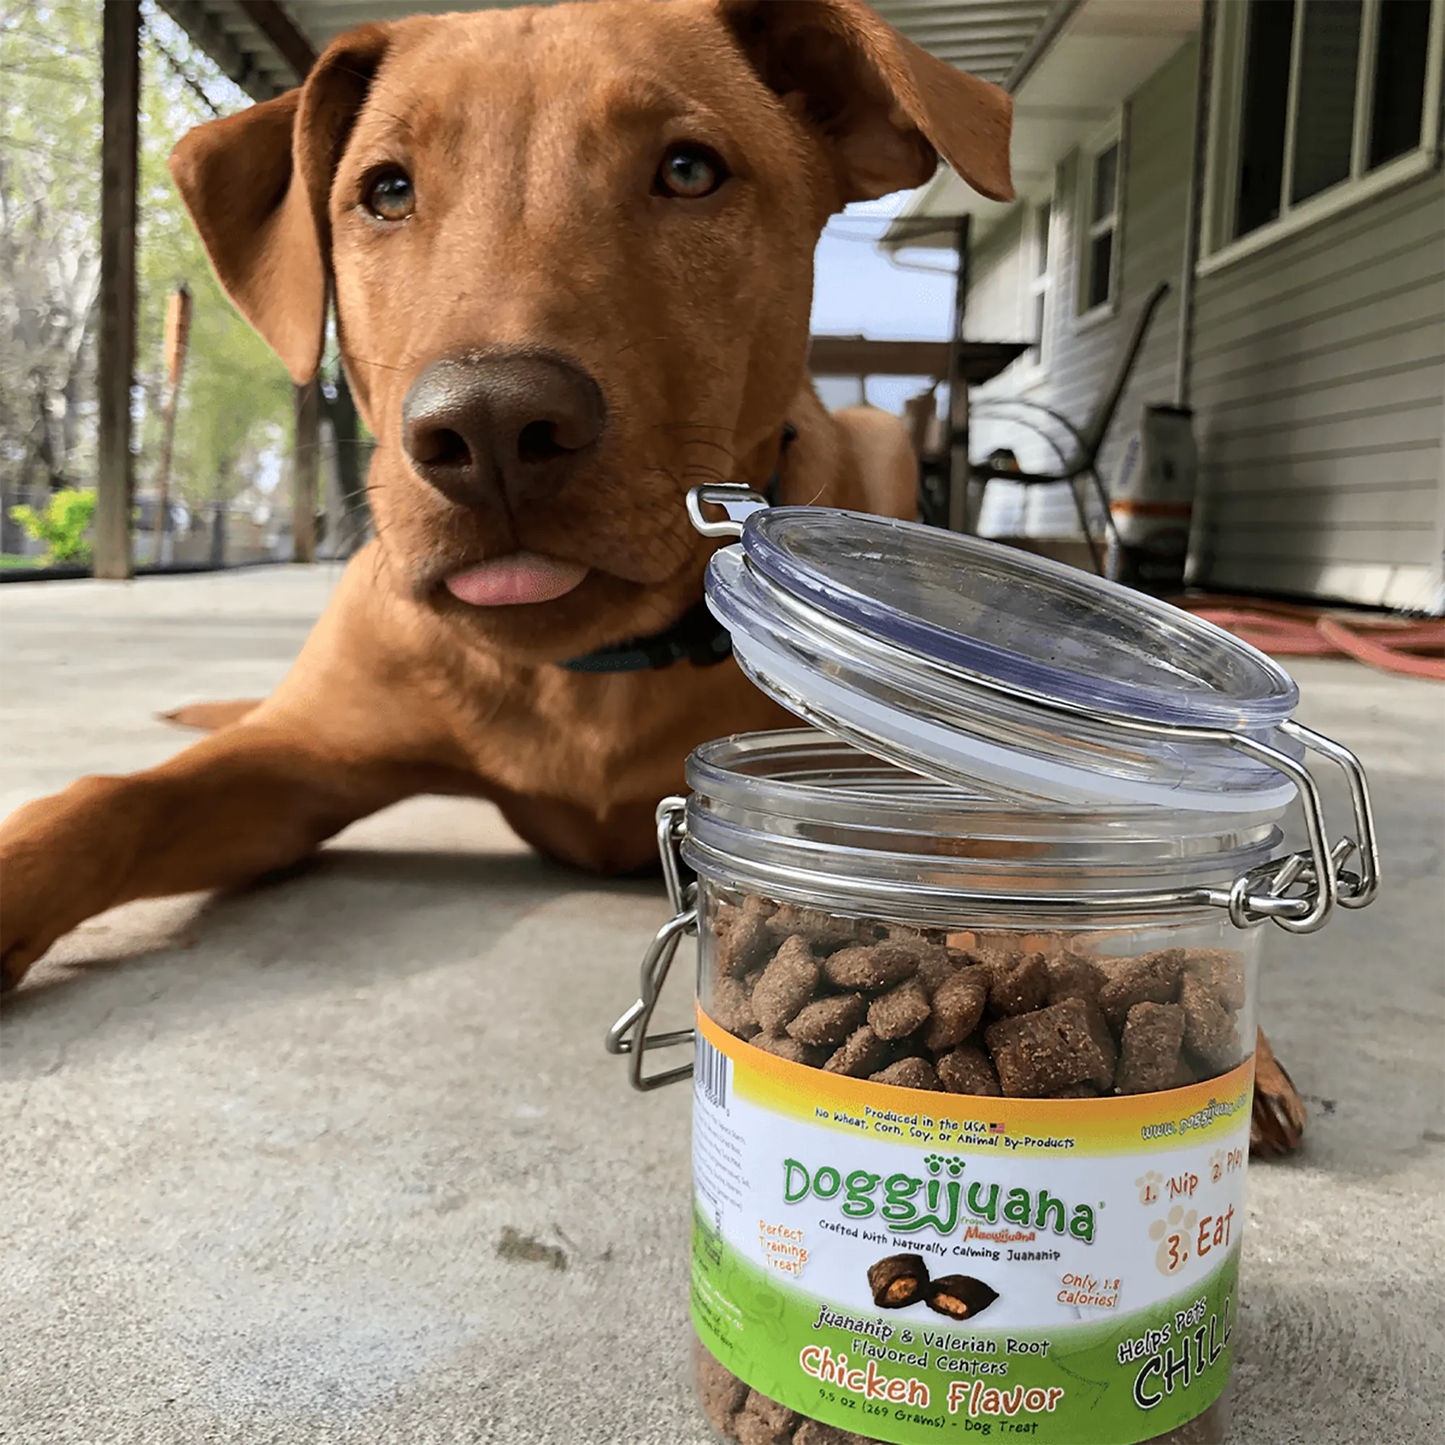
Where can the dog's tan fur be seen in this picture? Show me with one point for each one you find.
(531, 137)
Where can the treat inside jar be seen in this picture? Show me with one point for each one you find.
(988, 1013)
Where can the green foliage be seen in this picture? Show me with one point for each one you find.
(61, 524)
(235, 398)
(49, 239)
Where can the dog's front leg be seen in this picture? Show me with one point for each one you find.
(234, 806)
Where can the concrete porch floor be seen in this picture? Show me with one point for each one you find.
(263, 1150)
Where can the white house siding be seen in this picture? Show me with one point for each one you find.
(1157, 141)
(1319, 373)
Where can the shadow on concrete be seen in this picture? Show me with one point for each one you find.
(345, 918)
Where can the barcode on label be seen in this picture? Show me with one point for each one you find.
(710, 1070)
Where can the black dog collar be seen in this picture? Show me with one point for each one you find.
(696, 637)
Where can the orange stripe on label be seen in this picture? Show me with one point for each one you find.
(1120, 1125)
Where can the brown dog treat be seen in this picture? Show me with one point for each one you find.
(1150, 978)
(1149, 1049)
(908, 1074)
(958, 1005)
(829, 1020)
(794, 1050)
(862, 1054)
(872, 967)
(1190, 1071)
(935, 967)
(1021, 986)
(968, 1071)
(998, 947)
(719, 1391)
(1210, 1033)
(747, 939)
(815, 1432)
(1037, 1054)
(900, 1010)
(823, 932)
(788, 982)
(732, 1007)
(1079, 1091)
(898, 1280)
(910, 1047)
(1071, 976)
(1221, 971)
(959, 1296)
(762, 1421)
(905, 933)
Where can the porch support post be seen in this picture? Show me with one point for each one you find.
(958, 509)
(1194, 212)
(305, 468)
(120, 126)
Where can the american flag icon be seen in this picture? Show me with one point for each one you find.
(998, 1129)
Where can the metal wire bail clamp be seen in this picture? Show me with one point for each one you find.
(629, 1034)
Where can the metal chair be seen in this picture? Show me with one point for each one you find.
(1085, 443)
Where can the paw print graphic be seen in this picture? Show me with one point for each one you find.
(1173, 1234)
(1149, 1187)
(1216, 1166)
(938, 1162)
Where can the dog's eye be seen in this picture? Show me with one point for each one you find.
(690, 172)
(391, 197)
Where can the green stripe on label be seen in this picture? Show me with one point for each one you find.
(1115, 1381)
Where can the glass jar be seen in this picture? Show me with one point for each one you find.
(866, 934)
(975, 994)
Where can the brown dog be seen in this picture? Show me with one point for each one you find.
(571, 252)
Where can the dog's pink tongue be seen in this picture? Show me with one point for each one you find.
(517, 577)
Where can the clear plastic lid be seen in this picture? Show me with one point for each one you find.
(979, 664)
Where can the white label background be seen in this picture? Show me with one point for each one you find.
(738, 1154)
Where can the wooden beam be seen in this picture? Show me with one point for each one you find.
(856, 356)
(115, 359)
(305, 469)
(271, 19)
(958, 508)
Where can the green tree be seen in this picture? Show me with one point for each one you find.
(236, 397)
(236, 394)
(49, 243)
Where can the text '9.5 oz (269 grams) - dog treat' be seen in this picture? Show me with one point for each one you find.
(959, 1184)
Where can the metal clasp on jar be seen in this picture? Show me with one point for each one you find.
(1300, 890)
(629, 1034)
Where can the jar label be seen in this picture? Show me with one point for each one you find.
(916, 1266)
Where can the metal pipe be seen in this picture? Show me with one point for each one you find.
(1194, 212)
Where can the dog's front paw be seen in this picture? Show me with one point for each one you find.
(52, 877)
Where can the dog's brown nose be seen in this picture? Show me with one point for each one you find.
(508, 424)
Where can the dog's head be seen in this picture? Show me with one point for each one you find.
(571, 251)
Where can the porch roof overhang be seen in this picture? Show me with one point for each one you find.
(1091, 57)
(266, 46)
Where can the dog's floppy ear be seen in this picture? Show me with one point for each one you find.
(257, 184)
(885, 107)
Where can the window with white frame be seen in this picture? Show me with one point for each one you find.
(1036, 318)
(1099, 228)
(1323, 102)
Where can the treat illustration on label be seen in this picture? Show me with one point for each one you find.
(899, 1280)
(960, 1297)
